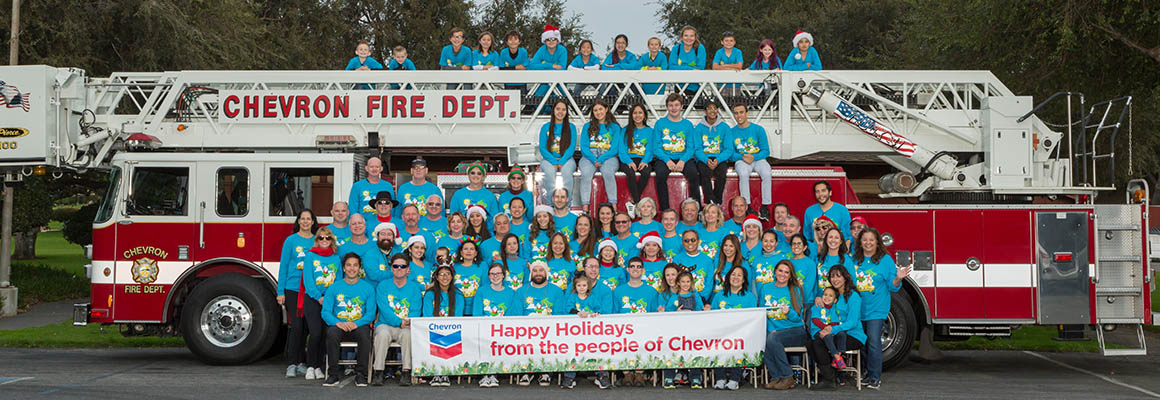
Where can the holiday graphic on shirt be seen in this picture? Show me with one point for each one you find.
(417, 201)
(749, 146)
(301, 255)
(467, 285)
(669, 254)
(866, 280)
(639, 306)
(516, 281)
(420, 279)
(602, 141)
(366, 198)
(801, 278)
(711, 145)
(559, 278)
(639, 147)
(539, 250)
(352, 309)
(584, 308)
(824, 316)
(653, 279)
(709, 249)
(496, 310)
(611, 283)
(774, 307)
(725, 306)
(762, 273)
(438, 234)
(555, 145)
(402, 309)
(542, 307)
(823, 283)
(674, 142)
(699, 280)
(324, 274)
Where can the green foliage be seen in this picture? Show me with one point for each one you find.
(528, 17)
(79, 228)
(65, 335)
(62, 214)
(32, 204)
(42, 283)
(589, 364)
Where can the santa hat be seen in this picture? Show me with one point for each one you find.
(539, 262)
(802, 35)
(824, 219)
(550, 32)
(860, 219)
(651, 237)
(416, 239)
(542, 209)
(476, 209)
(386, 226)
(606, 243)
(751, 219)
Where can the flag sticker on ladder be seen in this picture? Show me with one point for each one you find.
(446, 345)
(10, 97)
(849, 113)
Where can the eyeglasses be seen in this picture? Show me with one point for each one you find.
(622, 222)
(399, 266)
(635, 266)
(325, 238)
(383, 202)
(435, 204)
(690, 240)
(495, 274)
(517, 177)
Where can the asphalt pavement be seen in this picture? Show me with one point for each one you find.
(175, 373)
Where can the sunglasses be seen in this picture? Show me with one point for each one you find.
(635, 266)
(399, 266)
(622, 222)
(690, 240)
(325, 238)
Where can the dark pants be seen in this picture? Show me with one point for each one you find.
(713, 180)
(835, 344)
(731, 374)
(636, 182)
(694, 374)
(662, 182)
(335, 336)
(295, 330)
(314, 343)
(819, 353)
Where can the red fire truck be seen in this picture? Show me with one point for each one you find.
(995, 208)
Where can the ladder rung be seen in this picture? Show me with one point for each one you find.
(1119, 227)
(1117, 290)
(1125, 352)
(1119, 321)
(1119, 259)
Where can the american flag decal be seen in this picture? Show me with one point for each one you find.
(851, 114)
(10, 97)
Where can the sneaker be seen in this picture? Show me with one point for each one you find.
(331, 380)
(823, 385)
(732, 385)
(839, 363)
(377, 378)
(719, 385)
(603, 381)
(840, 379)
(291, 371)
(318, 374)
(524, 380)
(631, 208)
(680, 378)
(568, 383)
(301, 369)
(485, 381)
(545, 380)
(405, 378)
(348, 371)
(669, 384)
(875, 384)
(494, 382)
(696, 384)
(437, 381)
(310, 373)
(360, 380)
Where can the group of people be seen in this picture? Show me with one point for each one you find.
(688, 54)
(366, 275)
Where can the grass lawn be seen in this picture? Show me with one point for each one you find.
(57, 273)
(65, 334)
(1031, 337)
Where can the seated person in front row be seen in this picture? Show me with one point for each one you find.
(348, 308)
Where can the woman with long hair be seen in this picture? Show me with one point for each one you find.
(599, 145)
(469, 275)
(290, 287)
(785, 300)
(877, 277)
(494, 300)
(735, 293)
(583, 243)
(729, 257)
(831, 251)
(442, 299)
(322, 267)
(561, 266)
(636, 153)
(557, 145)
(848, 309)
(605, 213)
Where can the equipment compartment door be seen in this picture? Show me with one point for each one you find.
(1061, 252)
(958, 270)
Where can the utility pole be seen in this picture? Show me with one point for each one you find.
(7, 291)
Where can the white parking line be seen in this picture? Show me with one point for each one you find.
(1106, 379)
(7, 380)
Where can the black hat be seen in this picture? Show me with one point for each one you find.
(418, 161)
(383, 195)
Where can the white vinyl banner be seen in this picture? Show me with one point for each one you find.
(480, 345)
(368, 106)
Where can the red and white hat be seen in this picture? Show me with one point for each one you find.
(551, 32)
(539, 262)
(606, 243)
(802, 35)
(476, 208)
(751, 219)
(651, 237)
(416, 238)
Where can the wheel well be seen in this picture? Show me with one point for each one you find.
(207, 269)
(917, 300)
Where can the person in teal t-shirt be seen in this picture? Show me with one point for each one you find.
(486, 57)
(398, 300)
(495, 299)
(599, 144)
(713, 154)
(348, 309)
(455, 56)
(688, 54)
(474, 194)
(803, 57)
(735, 293)
(674, 150)
(364, 191)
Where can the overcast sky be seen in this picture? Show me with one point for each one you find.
(604, 19)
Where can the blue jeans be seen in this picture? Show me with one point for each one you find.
(775, 344)
(873, 358)
(732, 374)
(607, 172)
(550, 171)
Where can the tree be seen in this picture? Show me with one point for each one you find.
(31, 209)
(528, 17)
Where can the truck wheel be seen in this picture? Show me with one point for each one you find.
(230, 319)
(899, 333)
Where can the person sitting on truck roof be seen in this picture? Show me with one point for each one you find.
(599, 143)
(363, 191)
(362, 61)
(455, 56)
(803, 57)
(417, 190)
(557, 145)
(399, 60)
(713, 153)
(341, 223)
(675, 147)
(474, 193)
(398, 300)
(348, 308)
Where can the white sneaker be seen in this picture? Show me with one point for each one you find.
(719, 385)
(732, 385)
(494, 381)
(631, 208)
(310, 373)
(524, 380)
(485, 381)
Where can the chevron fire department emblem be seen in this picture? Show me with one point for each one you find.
(145, 270)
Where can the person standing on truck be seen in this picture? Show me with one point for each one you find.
(348, 310)
(557, 146)
(675, 147)
(321, 270)
(417, 190)
(398, 300)
(363, 191)
(878, 276)
(713, 154)
(290, 288)
(829, 208)
(340, 226)
(474, 193)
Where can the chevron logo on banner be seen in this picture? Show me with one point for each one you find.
(447, 345)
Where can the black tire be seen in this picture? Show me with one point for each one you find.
(902, 325)
(242, 320)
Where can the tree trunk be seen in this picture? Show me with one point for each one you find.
(24, 244)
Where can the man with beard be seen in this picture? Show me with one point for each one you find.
(538, 299)
(341, 224)
(836, 212)
(377, 259)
